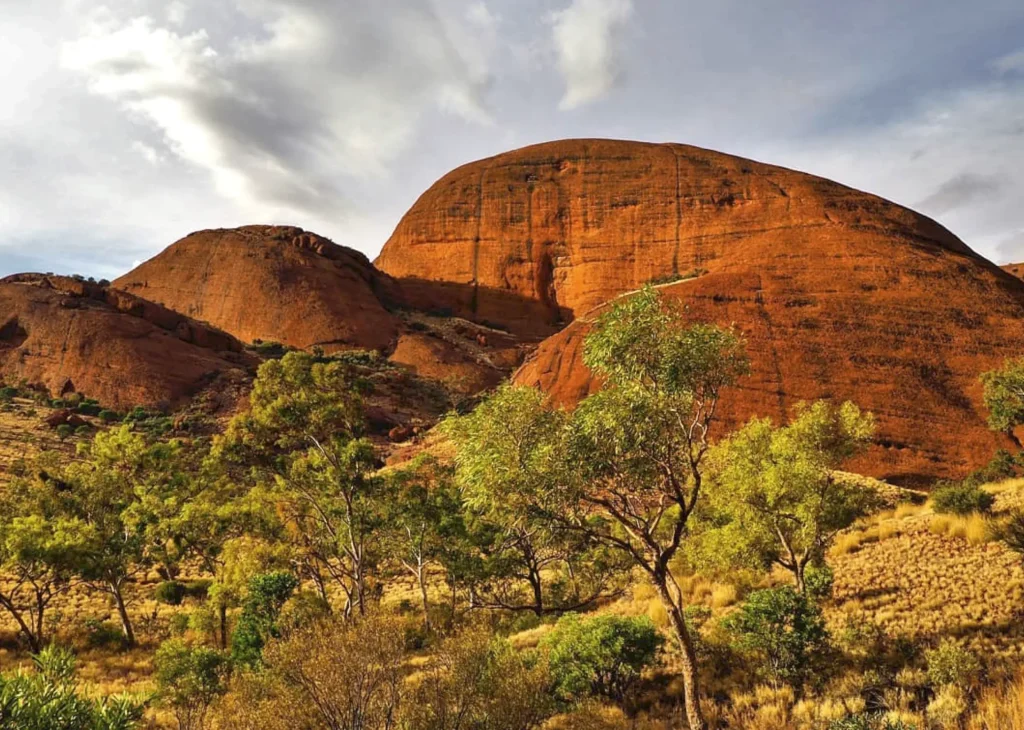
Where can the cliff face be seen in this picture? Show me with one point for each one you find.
(840, 294)
(1014, 270)
(69, 336)
(904, 338)
(533, 238)
(276, 284)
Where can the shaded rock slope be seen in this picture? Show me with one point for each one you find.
(64, 336)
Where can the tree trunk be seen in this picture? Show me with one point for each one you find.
(40, 612)
(122, 612)
(691, 684)
(34, 644)
(423, 596)
(223, 626)
(538, 592)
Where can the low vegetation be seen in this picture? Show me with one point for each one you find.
(624, 565)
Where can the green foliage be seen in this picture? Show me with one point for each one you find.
(961, 498)
(189, 679)
(64, 431)
(603, 655)
(784, 630)
(103, 635)
(818, 581)
(951, 664)
(258, 621)
(109, 416)
(1004, 396)
(8, 393)
(775, 497)
(510, 456)
(274, 350)
(48, 699)
(477, 681)
(171, 592)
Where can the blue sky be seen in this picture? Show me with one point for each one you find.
(127, 124)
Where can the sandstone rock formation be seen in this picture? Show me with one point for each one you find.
(903, 334)
(840, 294)
(531, 238)
(1014, 269)
(275, 284)
(69, 336)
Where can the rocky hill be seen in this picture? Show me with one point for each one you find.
(1014, 269)
(65, 336)
(271, 283)
(840, 294)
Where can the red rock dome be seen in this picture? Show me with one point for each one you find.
(275, 284)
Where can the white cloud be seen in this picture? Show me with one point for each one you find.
(311, 94)
(586, 36)
(957, 156)
(1010, 63)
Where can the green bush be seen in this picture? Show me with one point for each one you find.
(961, 498)
(604, 655)
(782, 628)
(83, 430)
(8, 394)
(951, 664)
(171, 592)
(258, 621)
(198, 589)
(48, 699)
(179, 623)
(109, 416)
(189, 679)
(102, 634)
(64, 431)
(818, 580)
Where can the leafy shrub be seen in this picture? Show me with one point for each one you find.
(198, 589)
(7, 394)
(179, 623)
(84, 430)
(88, 408)
(784, 629)
(258, 622)
(477, 681)
(48, 699)
(109, 416)
(604, 655)
(331, 674)
(103, 635)
(64, 431)
(818, 580)
(961, 498)
(171, 592)
(951, 664)
(189, 679)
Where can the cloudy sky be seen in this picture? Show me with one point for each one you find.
(127, 124)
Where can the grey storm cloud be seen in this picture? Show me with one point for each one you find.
(959, 191)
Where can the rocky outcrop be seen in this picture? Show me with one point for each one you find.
(531, 239)
(66, 335)
(1014, 269)
(903, 333)
(274, 284)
